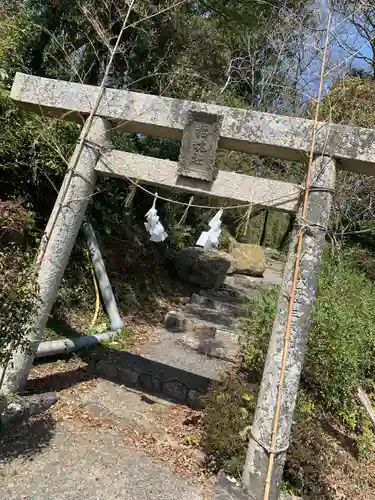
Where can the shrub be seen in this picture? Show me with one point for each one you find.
(341, 345)
(18, 300)
(228, 410)
(15, 221)
(256, 330)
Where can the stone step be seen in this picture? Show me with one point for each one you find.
(249, 285)
(225, 294)
(202, 321)
(165, 367)
(219, 318)
(275, 265)
(223, 345)
(219, 303)
(207, 327)
(184, 366)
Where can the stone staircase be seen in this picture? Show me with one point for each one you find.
(196, 345)
(209, 324)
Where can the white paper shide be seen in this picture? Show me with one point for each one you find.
(210, 239)
(153, 224)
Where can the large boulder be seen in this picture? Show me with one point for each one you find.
(247, 259)
(207, 269)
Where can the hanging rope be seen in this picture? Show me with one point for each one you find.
(273, 451)
(184, 215)
(130, 197)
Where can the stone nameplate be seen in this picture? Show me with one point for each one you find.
(199, 145)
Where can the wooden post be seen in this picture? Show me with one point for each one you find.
(69, 214)
(314, 231)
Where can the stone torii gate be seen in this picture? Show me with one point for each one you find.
(203, 128)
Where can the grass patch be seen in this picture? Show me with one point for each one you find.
(123, 342)
(229, 407)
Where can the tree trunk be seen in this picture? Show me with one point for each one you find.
(264, 230)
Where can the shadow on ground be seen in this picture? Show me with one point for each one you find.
(57, 328)
(27, 438)
(128, 369)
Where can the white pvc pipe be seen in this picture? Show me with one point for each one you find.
(102, 277)
(64, 346)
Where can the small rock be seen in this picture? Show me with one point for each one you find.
(199, 456)
(226, 489)
(194, 399)
(175, 321)
(14, 413)
(25, 406)
(14, 408)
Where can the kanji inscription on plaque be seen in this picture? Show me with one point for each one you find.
(199, 145)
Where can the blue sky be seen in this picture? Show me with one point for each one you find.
(344, 42)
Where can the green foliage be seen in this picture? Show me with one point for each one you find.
(342, 338)
(32, 155)
(341, 345)
(352, 209)
(17, 30)
(181, 50)
(18, 300)
(268, 228)
(228, 411)
(256, 329)
(360, 92)
(15, 221)
(18, 289)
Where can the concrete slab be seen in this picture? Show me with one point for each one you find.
(223, 345)
(248, 285)
(161, 367)
(219, 304)
(221, 319)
